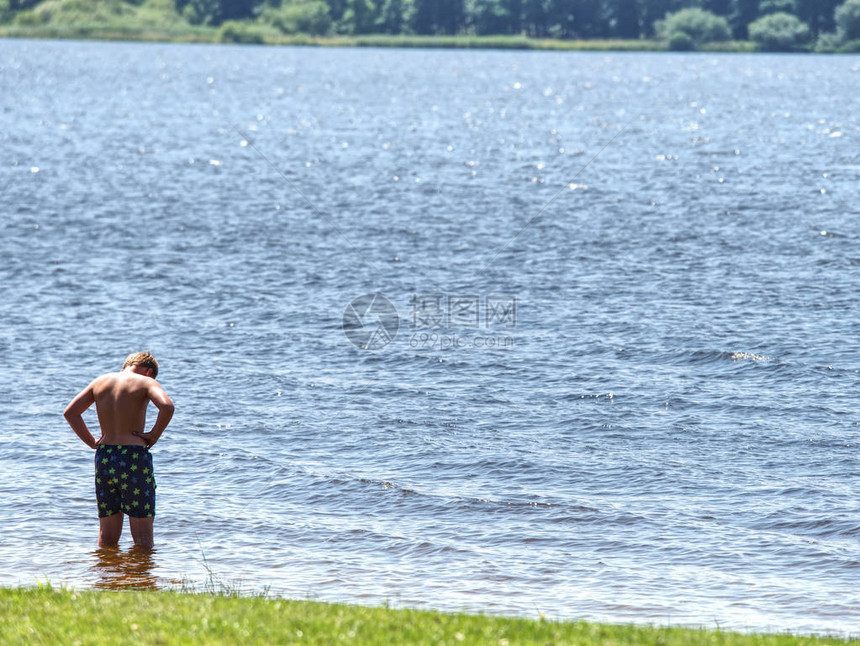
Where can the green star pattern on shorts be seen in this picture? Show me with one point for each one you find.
(125, 484)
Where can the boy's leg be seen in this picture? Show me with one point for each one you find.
(110, 528)
(141, 531)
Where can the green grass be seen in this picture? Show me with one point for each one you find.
(269, 36)
(735, 46)
(263, 34)
(497, 42)
(52, 616)
(127, 30)
(113, 32)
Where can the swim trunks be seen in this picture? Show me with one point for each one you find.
(125, 481)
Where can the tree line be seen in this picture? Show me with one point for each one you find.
(574, 19)
(684, 24)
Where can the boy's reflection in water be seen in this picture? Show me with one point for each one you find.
(129, 569)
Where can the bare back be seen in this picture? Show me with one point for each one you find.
(121, 400)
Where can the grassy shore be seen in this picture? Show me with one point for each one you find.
(251, 33)
(53, 616)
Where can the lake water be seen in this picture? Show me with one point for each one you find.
(624, 381)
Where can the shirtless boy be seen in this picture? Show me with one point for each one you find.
(125, 482)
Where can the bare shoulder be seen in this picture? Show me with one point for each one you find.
(157, 394)
(116, 383)
(152, 384)
(104, 380)
(139, 383)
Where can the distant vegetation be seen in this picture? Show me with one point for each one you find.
(779, 32)
(731, 25)
(691, 28)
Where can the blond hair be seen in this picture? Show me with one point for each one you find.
(144, 359)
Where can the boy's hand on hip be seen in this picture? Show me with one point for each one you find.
(146, 437)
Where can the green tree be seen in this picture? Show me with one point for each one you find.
(700, 25)
(777, 6)
(742, 13)
(423, 21)
(589, 19)
(818, 14)
(535, 17)
(626, 18)
(681, 42)
(359, 18)
(487, 16)
(451, 16)
(718, 7)
(299, 17)
(336, 9)
(654, 10)
(238, 9)
(438, 16)
(201, 12)
(567, 19)
(847, 19)
(395, 16)
(779, 32)
(20, 5)
(233, 31)
(514, 9)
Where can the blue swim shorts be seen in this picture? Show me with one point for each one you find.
(125, 481)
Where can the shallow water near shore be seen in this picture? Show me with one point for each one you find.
(623, 383)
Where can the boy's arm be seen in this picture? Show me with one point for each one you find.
(165, 411)
(74, 416)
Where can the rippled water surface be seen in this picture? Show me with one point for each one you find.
(666, 430)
